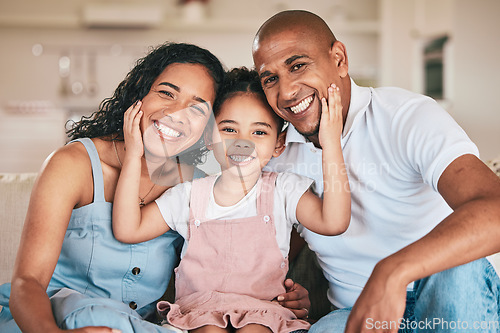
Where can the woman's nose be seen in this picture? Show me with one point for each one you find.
(177, 115)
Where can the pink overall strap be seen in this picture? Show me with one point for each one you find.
(199, 197)
(265, 196)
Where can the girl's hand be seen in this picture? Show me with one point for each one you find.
(331, 123)
(132, 132)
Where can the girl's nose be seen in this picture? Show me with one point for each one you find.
(241, 143)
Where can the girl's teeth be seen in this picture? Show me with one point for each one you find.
(240, 158)
(302, 105)
(167, 130)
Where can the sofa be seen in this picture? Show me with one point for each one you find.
(15, 191)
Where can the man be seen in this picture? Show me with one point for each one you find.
(422, 201)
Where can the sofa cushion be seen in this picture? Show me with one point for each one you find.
(15, 190)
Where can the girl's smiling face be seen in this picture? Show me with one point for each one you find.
(177, 109)
(247, 135)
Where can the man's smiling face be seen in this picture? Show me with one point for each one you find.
(295, 72)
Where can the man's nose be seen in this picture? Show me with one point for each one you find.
(287, 88)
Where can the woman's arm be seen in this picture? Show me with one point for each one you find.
(332, 215)
(131, 224)
(61, 185)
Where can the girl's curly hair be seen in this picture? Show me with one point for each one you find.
(243, 80)
(108, 120)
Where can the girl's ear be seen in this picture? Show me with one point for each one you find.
(280, 144)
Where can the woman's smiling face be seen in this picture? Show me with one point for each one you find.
(176, 109)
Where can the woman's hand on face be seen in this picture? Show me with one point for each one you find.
(296, 299)
(331, 123)
(131, 130)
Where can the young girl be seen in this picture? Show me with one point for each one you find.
(236, 225)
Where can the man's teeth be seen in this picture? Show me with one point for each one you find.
(167, 130)
(240, 158)
(302, 105)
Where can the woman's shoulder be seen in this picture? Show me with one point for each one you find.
(72, 156)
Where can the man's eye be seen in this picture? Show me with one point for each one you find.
(270, 80)
(297, 67)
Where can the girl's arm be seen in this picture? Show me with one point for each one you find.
(131, 224)
(60, 186)
(332, 215)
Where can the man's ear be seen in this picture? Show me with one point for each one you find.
(280, 144)
(339, 53)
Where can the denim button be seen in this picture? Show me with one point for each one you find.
(132, 305)
(136, 270)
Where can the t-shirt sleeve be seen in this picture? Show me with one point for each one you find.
(430, 139)
(292, 186)
(174, 206)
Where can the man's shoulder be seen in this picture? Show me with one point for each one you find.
(396, 97)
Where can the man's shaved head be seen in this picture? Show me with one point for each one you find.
(301, 22)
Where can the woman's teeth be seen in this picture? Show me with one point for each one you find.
(240, 158)
(166, 130)
(302, 105)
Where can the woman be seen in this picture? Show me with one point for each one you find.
(70, 272)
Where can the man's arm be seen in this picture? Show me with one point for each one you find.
(471, 232)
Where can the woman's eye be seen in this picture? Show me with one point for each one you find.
(198, 110)
(166, 93)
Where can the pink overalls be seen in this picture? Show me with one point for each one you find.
(232, 269)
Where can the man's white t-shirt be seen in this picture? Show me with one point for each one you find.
(396, 145)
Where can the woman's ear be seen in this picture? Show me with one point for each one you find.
(280, 144)
(208, 137)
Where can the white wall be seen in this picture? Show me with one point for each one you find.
(383, 38)
(476, 72)
(58, 26)
(472, 68)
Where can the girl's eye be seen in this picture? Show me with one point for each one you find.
(228, 130)
(260, 133)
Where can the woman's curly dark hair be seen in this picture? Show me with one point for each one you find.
(108, 120)
(243, 80)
